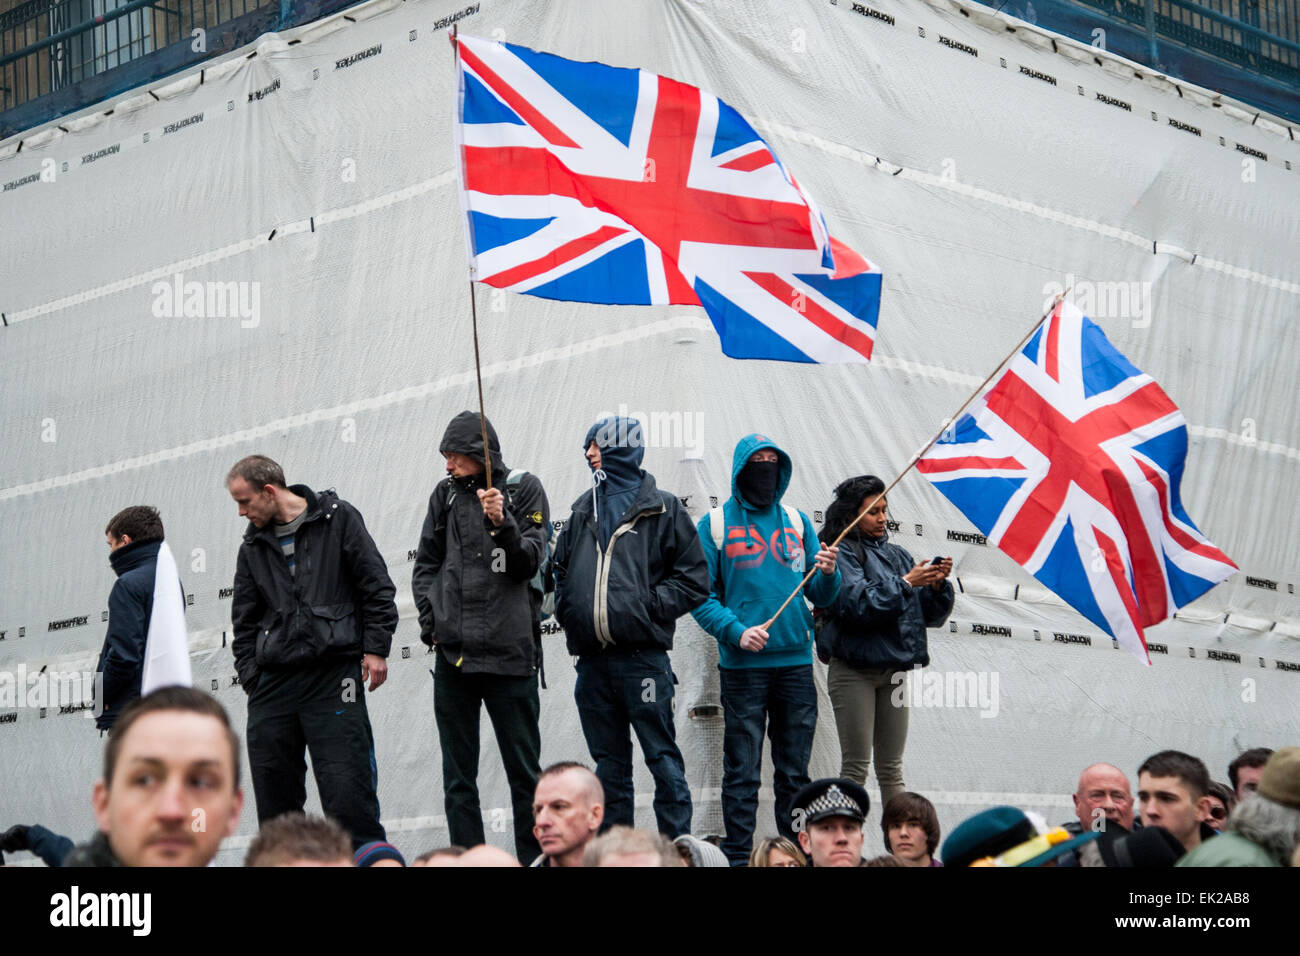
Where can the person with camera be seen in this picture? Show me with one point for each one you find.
(875, 631)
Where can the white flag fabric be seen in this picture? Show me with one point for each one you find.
(167, 647)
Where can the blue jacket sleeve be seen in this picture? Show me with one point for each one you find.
(937, 605)
(821, 589)
(50, 847)
(871, 593)
(714, 616)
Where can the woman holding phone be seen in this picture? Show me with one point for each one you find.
(874, 630)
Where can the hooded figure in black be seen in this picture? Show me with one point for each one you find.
(479, 549)
(619, 476)
(627, 565)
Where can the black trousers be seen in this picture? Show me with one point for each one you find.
(513, 707)
(322, 708)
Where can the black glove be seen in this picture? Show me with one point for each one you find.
(14, 839)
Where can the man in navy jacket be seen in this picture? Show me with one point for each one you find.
(628, 564)
(134, 536)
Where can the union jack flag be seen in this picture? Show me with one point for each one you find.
(591, 183)
(1071, 464)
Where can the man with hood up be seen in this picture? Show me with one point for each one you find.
(479, 550)
(756, 550)
(627, 565)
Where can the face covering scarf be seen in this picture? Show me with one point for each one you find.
(757, 482)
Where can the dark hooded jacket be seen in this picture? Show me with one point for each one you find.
(471, 579)
(879, 620)
(130, 605)
(623, 589)
(340, 603)
(619, 477)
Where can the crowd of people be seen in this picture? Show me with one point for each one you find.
(170, 794)
(314, 612)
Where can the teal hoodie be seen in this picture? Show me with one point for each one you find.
(759, 568)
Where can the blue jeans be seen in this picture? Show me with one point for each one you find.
(784, 699)
(618, 691)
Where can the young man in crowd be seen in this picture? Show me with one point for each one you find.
(479, 550)
(1173, 792)
(1264, 829)
(628, 564)
(911, 829)
(170, 791)
(134, 536)
(1245, 771)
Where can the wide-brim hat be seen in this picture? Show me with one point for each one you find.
(1280, 779)
(995, 832)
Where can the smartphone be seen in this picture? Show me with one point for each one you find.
(938, 559)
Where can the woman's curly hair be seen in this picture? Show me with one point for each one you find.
(849, 495)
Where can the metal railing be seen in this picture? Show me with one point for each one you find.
(1258, 36)
(47, 46)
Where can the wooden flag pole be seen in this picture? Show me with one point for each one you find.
(478, 374)
(921, 454)
(473, 311)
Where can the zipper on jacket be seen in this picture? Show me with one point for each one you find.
(600, 599)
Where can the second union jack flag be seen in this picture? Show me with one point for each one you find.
(591, 183)
(1071, 464)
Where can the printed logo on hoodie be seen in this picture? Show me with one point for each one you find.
(746, 548)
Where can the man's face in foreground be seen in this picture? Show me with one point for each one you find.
(1167, 802)
(834, 841)
(172, 799)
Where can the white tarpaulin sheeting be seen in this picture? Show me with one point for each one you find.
(311, 189)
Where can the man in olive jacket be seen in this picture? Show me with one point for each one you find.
(479, 550)
(314, 613)
(628, 564)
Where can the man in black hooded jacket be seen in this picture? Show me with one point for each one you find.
(627, 565)
(479, 550)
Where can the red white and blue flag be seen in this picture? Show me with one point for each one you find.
(1071, 464)
(590, 183)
